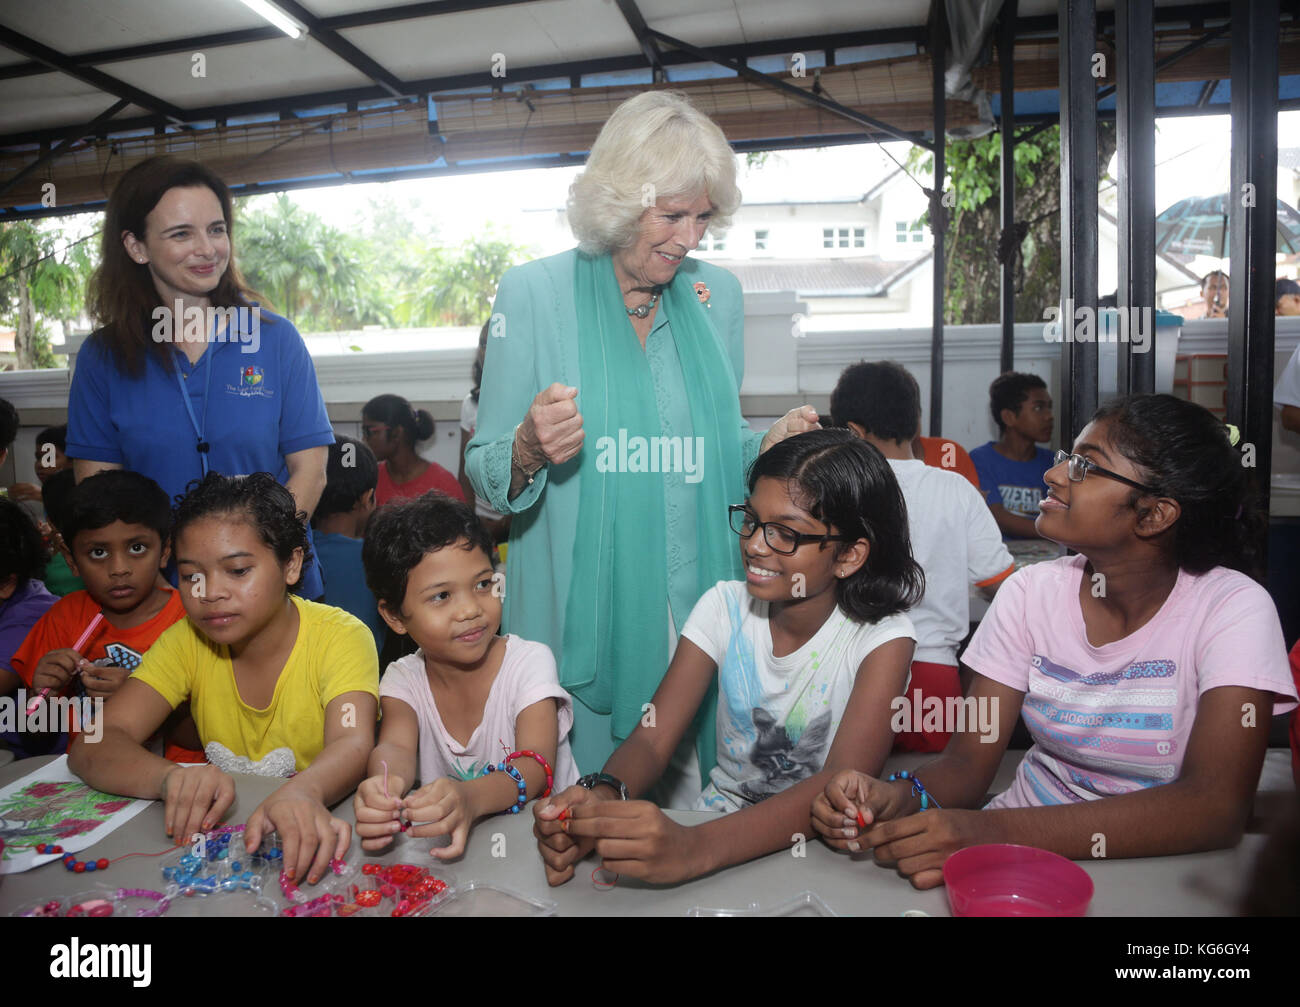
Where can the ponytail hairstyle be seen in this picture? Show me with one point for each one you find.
(1187, 454)
(395, 411)
(846, 483)
(260, 500)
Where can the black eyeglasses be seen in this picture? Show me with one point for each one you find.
(779, 538)
(1081, 466)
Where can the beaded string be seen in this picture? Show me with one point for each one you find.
(85, 866)
(918, 789)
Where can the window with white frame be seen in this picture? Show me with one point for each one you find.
(902, 229)
(844, 237)
(760, 241)
(713, 243)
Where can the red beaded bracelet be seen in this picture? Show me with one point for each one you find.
(526, 754)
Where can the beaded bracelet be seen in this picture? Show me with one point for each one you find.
(525, 753)
(514, 774)
(918, 789)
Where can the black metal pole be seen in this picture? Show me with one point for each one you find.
(1078, 31)
(1007, 65)
(1252, 225)
(938, 213)
(1135, 116)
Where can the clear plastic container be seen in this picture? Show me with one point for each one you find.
(479, 898)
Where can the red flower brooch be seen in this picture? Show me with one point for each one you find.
(702, 292)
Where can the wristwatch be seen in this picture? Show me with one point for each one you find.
(592, 779)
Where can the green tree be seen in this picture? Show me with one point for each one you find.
(318, 276)
(43, 274)
(972, 284)
(456, 287)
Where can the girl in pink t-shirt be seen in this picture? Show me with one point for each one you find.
(1147, 667)
(479, 719)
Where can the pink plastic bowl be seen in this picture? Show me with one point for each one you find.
(1001, 879)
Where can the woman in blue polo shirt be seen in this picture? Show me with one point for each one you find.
(187, 375)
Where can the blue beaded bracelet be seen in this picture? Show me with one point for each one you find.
(918, 789)
(518, 777)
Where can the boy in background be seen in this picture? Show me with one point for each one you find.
(56, 494)
(954, 537)
(50, 457)
(1011, 469)
(339, 523)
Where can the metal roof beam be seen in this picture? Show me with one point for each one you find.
(819, 43)
(824, 103)
(344, 49)
(632, 15)
(56, 152)
(466, 81)
(88, 75)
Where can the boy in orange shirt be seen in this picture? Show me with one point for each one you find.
(116, 532)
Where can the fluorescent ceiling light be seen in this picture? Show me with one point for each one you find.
(276, 16)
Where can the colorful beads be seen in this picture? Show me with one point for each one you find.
(75, 865)
(408, 887)
(518, 777)
(525, 753)
(48, 848)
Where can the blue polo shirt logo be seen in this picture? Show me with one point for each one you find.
(251, 383)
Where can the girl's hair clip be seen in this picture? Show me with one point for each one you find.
(1234, 435)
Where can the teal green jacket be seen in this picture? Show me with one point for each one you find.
(533, 343)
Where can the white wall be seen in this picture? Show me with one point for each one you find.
(785, 365)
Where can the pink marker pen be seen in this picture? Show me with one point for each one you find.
(82, 640)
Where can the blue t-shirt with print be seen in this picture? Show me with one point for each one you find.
(255, 400)
(1017, 486)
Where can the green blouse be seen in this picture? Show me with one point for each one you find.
(533, 343)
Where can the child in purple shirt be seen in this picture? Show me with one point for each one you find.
(1147, 667)
(23, 598)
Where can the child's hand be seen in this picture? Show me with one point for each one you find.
(850, 793)
(559, 850)
(309, 835)
(919, 844)
(194, 800)
(55, 669)
(378, 817)
(102, 682)
(443, 809)
(636, 839)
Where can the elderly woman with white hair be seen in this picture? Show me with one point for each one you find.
(609, 424)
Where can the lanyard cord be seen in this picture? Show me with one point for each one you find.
(201, 445)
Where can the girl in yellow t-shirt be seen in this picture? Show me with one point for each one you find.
(275, 684)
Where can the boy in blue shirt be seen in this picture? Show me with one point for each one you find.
(340, 522)
(1011, 469)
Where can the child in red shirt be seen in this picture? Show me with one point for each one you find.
(391, 428)
(116, 531)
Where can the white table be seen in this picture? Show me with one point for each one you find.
(1203, 884)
